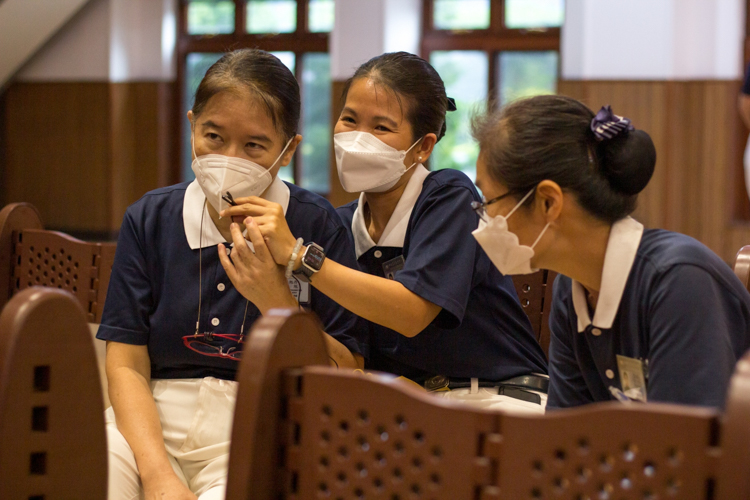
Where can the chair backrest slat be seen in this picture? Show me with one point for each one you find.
(52, 439)
(535, 294)
(279, 340)
(373, 436)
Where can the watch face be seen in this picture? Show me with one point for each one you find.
(314, 257)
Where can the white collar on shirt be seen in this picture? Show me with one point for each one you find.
(622, 247)
(277, 192)
(395, 231)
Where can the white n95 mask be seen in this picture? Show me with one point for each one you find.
(218, 175)
(365, 163)
(503, 247)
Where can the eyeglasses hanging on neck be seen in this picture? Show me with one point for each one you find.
(220, 345)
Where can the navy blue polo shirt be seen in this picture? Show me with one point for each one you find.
(153, 293)
(481, 331)
(682, 312)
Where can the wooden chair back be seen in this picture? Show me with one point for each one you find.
(742, 266)
(535, 294)
(32, 256)
(280, 340)
(339, 434)
(52, 438)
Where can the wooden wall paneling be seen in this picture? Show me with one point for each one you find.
(717, 163)
(58, 152)
(136, 142)
(337, 195)
(642, 102)
(3, 150)
(694, 128)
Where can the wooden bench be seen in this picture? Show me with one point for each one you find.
(52, 439)
(310, 431)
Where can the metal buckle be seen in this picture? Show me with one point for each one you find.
(436, 383)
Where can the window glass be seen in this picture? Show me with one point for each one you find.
(210, 17)
(320, 16)
(524, 74)
(271, 16)
(196, 66)
(461, 14)
(534, 13)
(315, 149)
(465, 75)
(289, 59)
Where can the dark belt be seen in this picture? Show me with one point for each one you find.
(512, 387)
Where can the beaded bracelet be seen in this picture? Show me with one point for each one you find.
(293, 258)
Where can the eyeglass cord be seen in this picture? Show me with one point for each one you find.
(209, 335)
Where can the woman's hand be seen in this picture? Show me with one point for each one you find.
(269, 217)
(255, 274)
(168, 488)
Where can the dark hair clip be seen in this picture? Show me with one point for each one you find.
(452, 104)
(607, 125)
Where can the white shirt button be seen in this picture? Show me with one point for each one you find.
(215, 321)
(221, 287)
(378, 254)
(596, 332)
(610, 374)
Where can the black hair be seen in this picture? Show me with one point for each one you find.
(550, 137)
(263, 75)
(414, 79)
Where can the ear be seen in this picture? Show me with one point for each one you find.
(550, 197)
(190, 117)
(423, 150)
(289, 153)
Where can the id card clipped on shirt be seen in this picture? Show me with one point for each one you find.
(390, 267)
(632, 378)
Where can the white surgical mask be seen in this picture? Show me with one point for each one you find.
(503, 247)
(365, 163)
(219, 174)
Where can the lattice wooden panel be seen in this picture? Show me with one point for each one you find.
(351, 438)
(51, 259)
(623, 453)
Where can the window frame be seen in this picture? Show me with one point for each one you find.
(300, 42)
(493, 40)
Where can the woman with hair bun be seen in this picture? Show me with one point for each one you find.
(647, 315)
(438, 312)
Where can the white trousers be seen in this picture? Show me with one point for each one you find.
(488, 398)
(196, 418)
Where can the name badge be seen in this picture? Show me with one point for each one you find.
(300, 290)
(632, 377)
(390, 267)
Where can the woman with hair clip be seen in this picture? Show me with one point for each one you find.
(173, 322)
(637, 315)
(439, 313)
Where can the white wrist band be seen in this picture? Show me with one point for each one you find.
(293, 258)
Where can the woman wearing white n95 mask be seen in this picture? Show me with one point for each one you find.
(637, 314)
(438, 312)
(173, 322)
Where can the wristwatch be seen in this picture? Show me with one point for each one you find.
(312, 261)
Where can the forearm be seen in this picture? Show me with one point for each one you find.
(341, 356)
(138, 421)
(382, 301)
